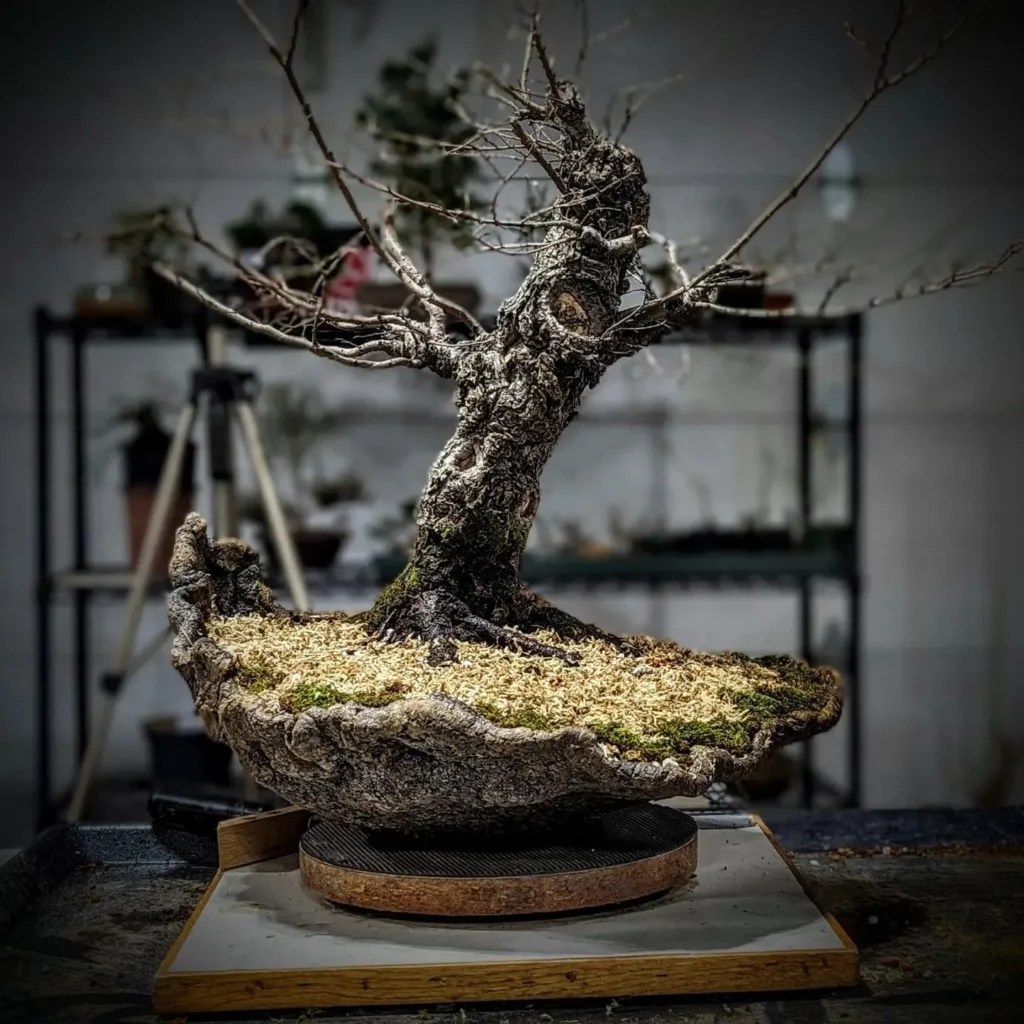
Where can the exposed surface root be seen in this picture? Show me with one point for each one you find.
(544, 616)
(440, 619)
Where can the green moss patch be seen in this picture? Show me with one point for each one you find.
(394, 595)
(662, 703)
(305, 696)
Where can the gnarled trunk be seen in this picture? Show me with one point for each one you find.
(518, 389)
(483, 491)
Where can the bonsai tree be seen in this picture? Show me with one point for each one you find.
(423, 155)
(146, 236)
(458, 666)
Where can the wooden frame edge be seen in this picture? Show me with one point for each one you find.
(188, 926)
(257, 837)
(808, 890)
(511, 981)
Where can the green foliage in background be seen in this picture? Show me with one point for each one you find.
(416, 125)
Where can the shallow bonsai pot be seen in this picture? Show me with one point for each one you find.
(423, 764)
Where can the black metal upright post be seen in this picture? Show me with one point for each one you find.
(805, 512)
(854, 690)
(43, 567)
(80, 526)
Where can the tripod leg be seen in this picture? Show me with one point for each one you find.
(279, 533)
(141, 580)
(218, 418)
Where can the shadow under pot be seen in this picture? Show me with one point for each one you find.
(144, 458)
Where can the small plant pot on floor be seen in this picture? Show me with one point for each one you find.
(181, 754)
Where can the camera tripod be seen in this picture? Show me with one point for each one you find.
(230, 394)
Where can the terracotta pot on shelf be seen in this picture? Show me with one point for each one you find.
(318, 548)
(144, 457)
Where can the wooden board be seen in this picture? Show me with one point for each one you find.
(628, 854)
(257, 837)
(260, 941)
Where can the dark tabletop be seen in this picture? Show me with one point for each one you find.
(933, 899)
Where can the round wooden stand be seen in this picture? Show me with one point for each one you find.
(621, 856)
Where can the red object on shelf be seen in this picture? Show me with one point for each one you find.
(340, 293)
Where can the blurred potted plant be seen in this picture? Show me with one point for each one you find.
(296, 421)
(140, 238)
(416, 125)
(182, 755)
(398, 532)
(143, 454)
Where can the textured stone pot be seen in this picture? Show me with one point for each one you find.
(422, 764)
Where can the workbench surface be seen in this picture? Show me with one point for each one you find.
(934, 900)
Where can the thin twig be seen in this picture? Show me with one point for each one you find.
(426, 294)
(300, 13)
(581, 55)
(539, 157)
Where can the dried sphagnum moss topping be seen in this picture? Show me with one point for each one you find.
(653, 706)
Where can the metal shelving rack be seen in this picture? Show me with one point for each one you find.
(792, 569)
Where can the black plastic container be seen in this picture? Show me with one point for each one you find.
(181, 754)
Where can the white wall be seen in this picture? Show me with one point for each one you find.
(114, 105)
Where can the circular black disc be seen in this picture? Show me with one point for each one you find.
(622, 836)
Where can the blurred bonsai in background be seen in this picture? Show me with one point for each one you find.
(417, 125)
(142, 237)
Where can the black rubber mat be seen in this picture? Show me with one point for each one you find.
(619, 837)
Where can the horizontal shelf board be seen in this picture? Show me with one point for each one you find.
(624, 569)
(722, 330)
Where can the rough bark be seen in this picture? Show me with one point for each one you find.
(518, 388)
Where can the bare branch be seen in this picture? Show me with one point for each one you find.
(539, 157)
(427, 295)
(842, 279)
(524, 74)
(407, 346)
(969, 277)
(300, 12)
(697, 289)
(545, 61)
(581, 55)
(883, 82)
(637, 96)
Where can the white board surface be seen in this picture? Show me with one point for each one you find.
(743, 898)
